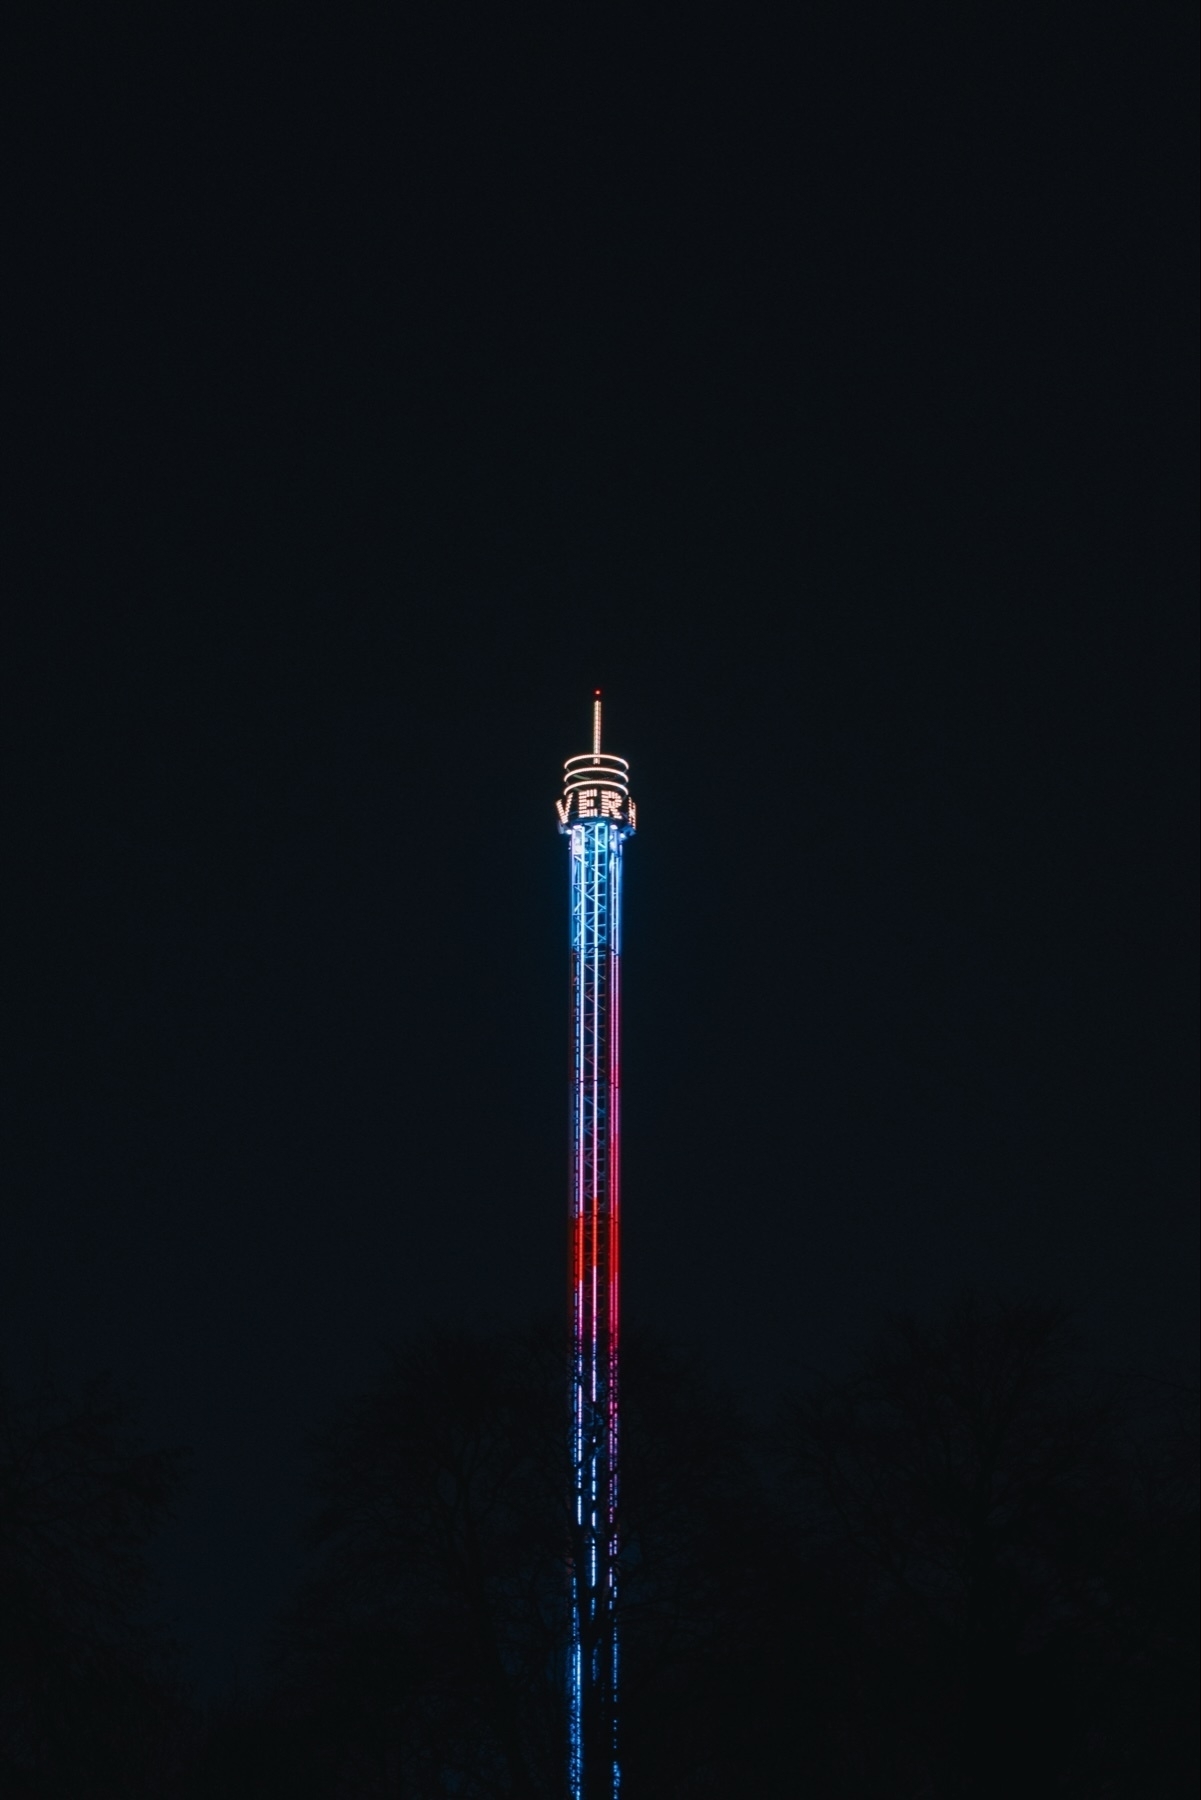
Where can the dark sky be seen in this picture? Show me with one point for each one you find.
(379, 389)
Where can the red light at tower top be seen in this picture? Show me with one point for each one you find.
(597, 815)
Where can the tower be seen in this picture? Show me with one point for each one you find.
(597, 815)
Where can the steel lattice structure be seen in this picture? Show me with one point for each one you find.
(597, 815)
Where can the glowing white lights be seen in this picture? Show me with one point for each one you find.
(597, 815)
(596, 848)
(582, 803)
(593, 790)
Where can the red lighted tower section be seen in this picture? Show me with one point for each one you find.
(597, 815)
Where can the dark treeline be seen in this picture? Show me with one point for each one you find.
(969, 1568)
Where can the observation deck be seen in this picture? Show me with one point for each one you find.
(596, 785)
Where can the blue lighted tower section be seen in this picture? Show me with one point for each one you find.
(597, 815)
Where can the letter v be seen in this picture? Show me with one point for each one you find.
(563, 807)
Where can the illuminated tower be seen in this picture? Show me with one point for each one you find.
(596, 814)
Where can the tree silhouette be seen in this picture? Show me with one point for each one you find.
(87, 1707)
(424, 1655)
(961, 1570)
(995, 1525)
(427, 1656)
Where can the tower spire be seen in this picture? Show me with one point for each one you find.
(596, 721)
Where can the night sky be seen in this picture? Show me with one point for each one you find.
(380, 383)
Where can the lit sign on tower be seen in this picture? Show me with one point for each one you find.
(597, 815)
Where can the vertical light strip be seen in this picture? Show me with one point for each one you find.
(596, 863)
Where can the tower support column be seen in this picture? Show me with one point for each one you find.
(597, 816)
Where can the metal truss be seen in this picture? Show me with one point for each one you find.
(596, 1017)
